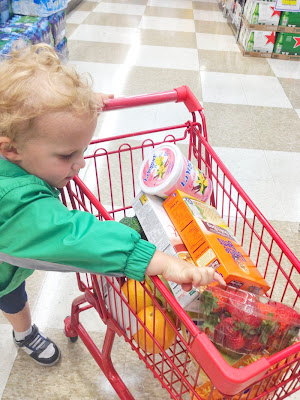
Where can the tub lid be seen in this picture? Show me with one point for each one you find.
(161, 169)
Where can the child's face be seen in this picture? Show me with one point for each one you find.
(55, 154)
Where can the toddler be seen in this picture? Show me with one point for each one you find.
(48, 115)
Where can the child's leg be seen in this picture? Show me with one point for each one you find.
(21, 321)
(16, 310)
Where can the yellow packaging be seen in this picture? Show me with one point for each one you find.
(211, 244)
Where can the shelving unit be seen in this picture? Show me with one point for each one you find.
(233, 12)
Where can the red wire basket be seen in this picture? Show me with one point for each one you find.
(109, 189)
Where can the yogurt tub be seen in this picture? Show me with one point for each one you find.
(166, 169)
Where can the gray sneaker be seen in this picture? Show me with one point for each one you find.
(39, 347)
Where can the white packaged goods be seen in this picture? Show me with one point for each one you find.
(257, 41)
(160, 231)
(261, 13)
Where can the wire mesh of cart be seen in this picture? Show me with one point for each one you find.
(107, 192)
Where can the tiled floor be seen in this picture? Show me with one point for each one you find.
(252, 107)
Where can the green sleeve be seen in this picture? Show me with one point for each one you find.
(38, 227)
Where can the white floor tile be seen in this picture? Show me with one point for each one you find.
(168, 24)
(117, 8)
(54, 303)
(172, 57)
(8, 353)
(285, 68)
(289, 195)
(245, 163)
(222, 88)
(266, 197)
(264, 91)
(106, 34)
(298, 111)
(253, 90)
(77, 17)
(207, 41)
(105, 76)
(205, 15)
(171, 3)
(284, 165)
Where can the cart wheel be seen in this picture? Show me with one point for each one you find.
(73, 339)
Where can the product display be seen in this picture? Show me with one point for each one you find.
(287, 43)
(257, 41)
(40, 8)
(290, 19)
(261, 12)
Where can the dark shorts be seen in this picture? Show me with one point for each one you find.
(14, 301)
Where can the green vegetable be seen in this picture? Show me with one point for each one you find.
(133, 223)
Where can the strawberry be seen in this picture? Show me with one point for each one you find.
(220, 296)
(242, 306)
(286, 316)
(235, 343)
(228, 334)
(212, 300)
(253, 344)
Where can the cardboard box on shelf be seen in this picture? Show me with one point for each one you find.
(261, 13)
(160, 231)
(257, 40)
(291, 19)
(287, 43)
(210, 242)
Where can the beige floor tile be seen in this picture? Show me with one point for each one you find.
(279, 128)
(86, 6)
(206, 6)
(292, 90)
(168, 12)
(113, 19)
(168, 38)
(230, 125)
(217, 28)
(97, 52)
(232, 62)
(70, 28)
(33, 286)
(159, 80)
(78, 377)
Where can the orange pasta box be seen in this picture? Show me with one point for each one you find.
(211, 244)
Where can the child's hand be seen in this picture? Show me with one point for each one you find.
(103, 99)
(179, 271)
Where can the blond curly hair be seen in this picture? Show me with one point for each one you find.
(33, 83)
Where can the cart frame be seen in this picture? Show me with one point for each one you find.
(178, 367)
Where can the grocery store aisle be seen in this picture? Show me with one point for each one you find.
(252, 107)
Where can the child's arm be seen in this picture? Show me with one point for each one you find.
(180, 271)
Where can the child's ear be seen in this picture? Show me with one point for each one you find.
(8, 149)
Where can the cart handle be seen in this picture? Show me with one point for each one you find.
(226, 378)
(180, 94)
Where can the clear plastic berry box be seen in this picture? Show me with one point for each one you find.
(244, 322)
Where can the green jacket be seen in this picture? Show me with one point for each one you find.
(38, 232)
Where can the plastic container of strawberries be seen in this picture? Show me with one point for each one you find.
(243, 322)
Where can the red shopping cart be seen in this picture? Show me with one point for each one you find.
(107, 192)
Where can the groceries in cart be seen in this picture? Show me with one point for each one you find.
(160, 231)
(166, 169)
(153, 319)
(246, 323)
(211, 243)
